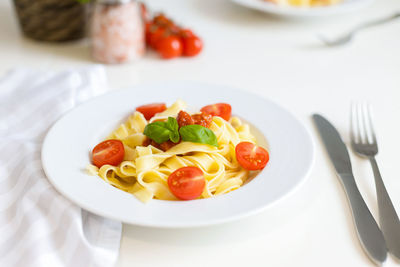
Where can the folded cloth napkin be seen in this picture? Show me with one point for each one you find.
(38, 226)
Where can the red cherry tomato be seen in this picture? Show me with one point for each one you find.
(222, 110)
(187, 183)
(251, 157)
(149, 28)
(174, 29)
(192, 46)
(185, 33)
(170, 47)
(162, 20)
(109, 152)
(150, 110)
(156, 35)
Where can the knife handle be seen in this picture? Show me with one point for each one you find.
(368, 231)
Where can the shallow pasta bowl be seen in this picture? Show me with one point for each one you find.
(66, 149)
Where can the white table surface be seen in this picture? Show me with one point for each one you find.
(280, 59)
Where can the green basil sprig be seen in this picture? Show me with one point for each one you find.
(161, 131)
(198, 134)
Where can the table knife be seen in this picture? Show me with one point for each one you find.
(369, 234)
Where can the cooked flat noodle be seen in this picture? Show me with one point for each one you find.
(134, 125)
(145, 170)
(172, 111)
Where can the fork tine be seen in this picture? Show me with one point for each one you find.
(360, 123)
(371, 125)
(367, 126)
(363, 139)
(353, 124)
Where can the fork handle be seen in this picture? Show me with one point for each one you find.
(388, 218)
(378, 21)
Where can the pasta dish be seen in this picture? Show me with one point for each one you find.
(167, 153)
(304, 3)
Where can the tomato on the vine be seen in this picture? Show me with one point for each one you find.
(170, 47)
(157, 35)
(185, 33)
(174, 40)
(162, 20)
(174, 29)
(192, 46)
(149, 28)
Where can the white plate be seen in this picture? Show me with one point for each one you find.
(344, 7)
(66, 149)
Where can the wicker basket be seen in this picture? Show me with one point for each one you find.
(52, 20)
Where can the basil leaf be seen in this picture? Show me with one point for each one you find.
(157, 132)
(198, 134)
(162, 131)
(173, 126)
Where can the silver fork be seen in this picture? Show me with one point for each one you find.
(345, 38)
(363, 142)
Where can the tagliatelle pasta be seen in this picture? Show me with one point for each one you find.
(144, 170)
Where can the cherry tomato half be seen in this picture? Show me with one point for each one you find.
(170, 47)
(192, 45)
(250, 156)
(187, 183)
(150, 110)
(222, 110)
(108, 152)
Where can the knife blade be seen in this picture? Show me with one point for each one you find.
(369, 234)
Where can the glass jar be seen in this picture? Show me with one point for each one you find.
(117, 31)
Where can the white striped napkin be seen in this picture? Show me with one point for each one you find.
(39, 227)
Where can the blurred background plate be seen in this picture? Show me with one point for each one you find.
(345, 6)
